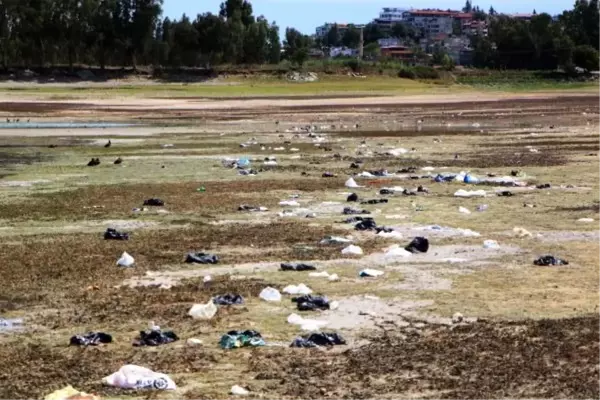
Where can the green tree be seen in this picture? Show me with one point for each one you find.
(468, 7)
(586, 57)
(332, 39)
(492, 11)
(372, 33)
(372, 51)
(351, 37)
(296, 46)
(399, 30)
(274, 44)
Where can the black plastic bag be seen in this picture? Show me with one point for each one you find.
(318, 339)
(90, 339)
(155, 338)
(201, 258)
(352, 197)
(366, 225)
(309, 302)
(113, 234)
(228, 299)
(418, 245)
(545, 261)
(154, 202)
(297, 267)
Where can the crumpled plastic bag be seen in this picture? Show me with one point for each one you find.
(203, 311)
(69, 392)
(270, 294)
(126, 260)
(228, 299)
(306, 324)
(299, 289)
(550, 260)
(351, 183)
(201, 258)
(318, 339)
(135, 377)
(236, 339)
(310, 303)
(352, 250)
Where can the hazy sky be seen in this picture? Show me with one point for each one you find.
(306, 15)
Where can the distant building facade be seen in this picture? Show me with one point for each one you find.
(323, 30)
(388, 17)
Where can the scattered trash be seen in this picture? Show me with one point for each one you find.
(418, 245)
(505, 193)
(207, 278)
(135, 377)
(353, 211)
(544, 186)
(352, 197)
(154, 202)
(396, 152)
(469, 193)
(529, 205)
(464, 210)
(457, 318)
(375, 201)
(245, 207)
(490, 244)
(328, 175)
(126, 260)
(351, 183)
(324, 274)
(113, 234)
(238, 391)
(470, 179)
(301, 289)
(228, 299)
(585, 220)
(311, 303)
(289, 203)
(155, 337)
(90, 339)
(270, 294)
(270, 163)
(203, 311)
(352, 250)
(201, 189)
(70, 393)
(366, 224)
(318, 340)
(194, 342)
(334, 240)
(521, 232)
(201, 258)
(371, 273)
(306, 324)
(237, 339)
(482, 207)
(10, 324)
(297, 267)
(550, 260)
(397, 251)
(93, 162)
(390, 235)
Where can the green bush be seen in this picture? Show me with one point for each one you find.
(407, 73)
(419, 72)
(354, 65)
(586, 57)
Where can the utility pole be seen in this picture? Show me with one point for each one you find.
(361, 44)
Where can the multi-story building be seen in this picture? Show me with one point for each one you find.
(436, 22)
(323, 30)
(388, 17)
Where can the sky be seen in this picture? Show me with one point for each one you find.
(306, 15)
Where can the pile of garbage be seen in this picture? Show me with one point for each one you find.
(296, 76)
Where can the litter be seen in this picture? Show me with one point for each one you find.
(135, 377)
(585, 220)
(469, 193)
(237, 339)
(270, 163)
(543, 186)
(550, 260)
(10, 324)
(126, 260)
(482, 207)
(396, 152)
(93, 162)
(155, 337)
(203, 311)
(238, 391)
(367, 224)
(397, 251)
(245, 207)
(154, 202)
(505, 193)
(297, 267)
(470, 179)
(370, 273)
(522, 232)
(228, 299)
(113, 234)
(418, 245)
(490, 244)
(194, 342)
(301, 289)
(464, 210)
(201, 258)
(390, 235)
(318, 340)
(334, 240)
(90, 339)
(457, 318)
(289, 203)
(328, 175)
(352, 197)
(70, 393)
(306, 324)
(351, 183)
(311, 303)
(374, 201)
(352, 250)
(270, 294)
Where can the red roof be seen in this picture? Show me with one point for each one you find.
(432, 12)
(464, 15)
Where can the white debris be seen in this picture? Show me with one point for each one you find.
(324, 274)
(194, 342)
(521, 232)
(370, 272)
(306, 324)
(289, 203)
(464, 210)
(126, 260)
(427, 169)
(396, 152)
(390, 235)
(397, 251)
(365, 174)
(335, 240)
(585, 220)
(135, 377)
(353, 250)
(270, 294)
(270, 163)
(469, 193)
(239, 391)
(490, 244)
(457, 317)
(351, 183)
(300, 289)
(207, 278)
(203, 311)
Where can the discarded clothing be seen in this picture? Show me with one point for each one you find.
(93, 162)
(247, 172)
(155, 337)
(543, 186)
(136, 377)
(154, 202)
(202, 258)
(318, 339)
(366, 225)
(418, 245)
(353, 211)
(236, 339)
(297, 267)
(90, 339)
(228, 299)
(309, 302)
(113, 234)
(444, 178)
(374, 201)
(550, 260)
(352, 197)
(505, 193)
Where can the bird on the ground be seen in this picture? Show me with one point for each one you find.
(108, 144)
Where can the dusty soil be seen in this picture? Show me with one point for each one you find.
(59, 275)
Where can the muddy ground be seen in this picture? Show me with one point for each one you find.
(528, 331)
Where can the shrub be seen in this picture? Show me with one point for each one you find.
(407, 73)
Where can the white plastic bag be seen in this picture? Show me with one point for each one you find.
(300, 289)
(469, 193)
(306, 324)
(397, 251)
(135, 377)
(370, 272)
(464, 210)
(126, 260)
(352, 250)
(203, 311)
(351, 183)
(239, 391)
(390, 235)
(289, 203)
(490, 244)
(270, 294)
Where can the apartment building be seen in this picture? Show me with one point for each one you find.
(323, 30)
(388, 17)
